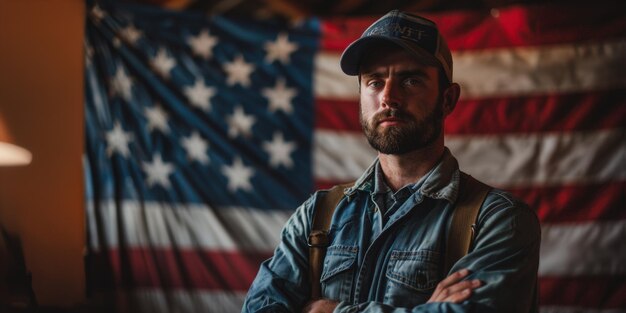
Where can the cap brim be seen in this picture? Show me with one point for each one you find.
(351, 57)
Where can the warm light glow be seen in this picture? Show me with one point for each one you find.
(12, 155)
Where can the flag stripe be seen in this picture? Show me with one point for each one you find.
(511, 27)
(573, 249)
(576, 203)
(566, 112)
(506, 161)
(590, 66)
(546, 113)
(159, 225)
(597, 292)
(170, 268)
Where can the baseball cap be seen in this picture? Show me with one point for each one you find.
(415, 34)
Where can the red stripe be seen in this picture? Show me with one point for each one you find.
(327, 184)
(340, 115)
(563, 112)
(576, 203)
(514, 27)
(604, 292)
(184, 269)
(560, 204)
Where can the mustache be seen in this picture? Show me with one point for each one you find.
(391, 113)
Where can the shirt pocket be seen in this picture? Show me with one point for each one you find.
(411, 275)
(338, 272)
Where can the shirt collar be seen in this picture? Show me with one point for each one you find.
(380, 185)
(441, 182)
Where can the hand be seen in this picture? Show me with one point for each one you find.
(320, 306)
(452, 289)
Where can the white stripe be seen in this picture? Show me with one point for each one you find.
(578, 249)
(569, 309)
(510, 160)
(186, 226)
(507, 72)
(329, 82)
(340, 156)
(543, 159)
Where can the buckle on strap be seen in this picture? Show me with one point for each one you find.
(318, 239)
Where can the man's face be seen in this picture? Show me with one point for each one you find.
(401, 109)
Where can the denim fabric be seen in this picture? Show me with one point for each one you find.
(398, 269)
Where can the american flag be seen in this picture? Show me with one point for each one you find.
(205, 133)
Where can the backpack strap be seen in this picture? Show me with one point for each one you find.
(462, 227)
(318, 238)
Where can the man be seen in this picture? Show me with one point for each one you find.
(387, 237)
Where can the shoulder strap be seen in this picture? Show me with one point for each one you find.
(460, 236)
(472, 194)
(318, 238)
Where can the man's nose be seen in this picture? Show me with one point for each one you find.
(390, 96)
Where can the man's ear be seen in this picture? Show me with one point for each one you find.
(450, 98)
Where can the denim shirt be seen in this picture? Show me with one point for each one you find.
(394, 265)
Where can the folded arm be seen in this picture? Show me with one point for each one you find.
(504, 258)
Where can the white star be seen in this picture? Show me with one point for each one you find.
(200, 94)
(279, 49)
(157, 119)
(202, 44)
(157, 171)
(131, 34)
(238, 175)
(280, 97)
(196, 148)
(238, 71)
(117, 140)
(279, 151)
(121, 84)
(163, 63)
(239, 123)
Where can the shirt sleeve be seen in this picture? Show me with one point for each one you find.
(282, 283)
(504, 256)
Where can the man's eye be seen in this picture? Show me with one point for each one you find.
(375, 84)
(411, 82)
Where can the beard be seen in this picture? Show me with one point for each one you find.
(410, 135)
